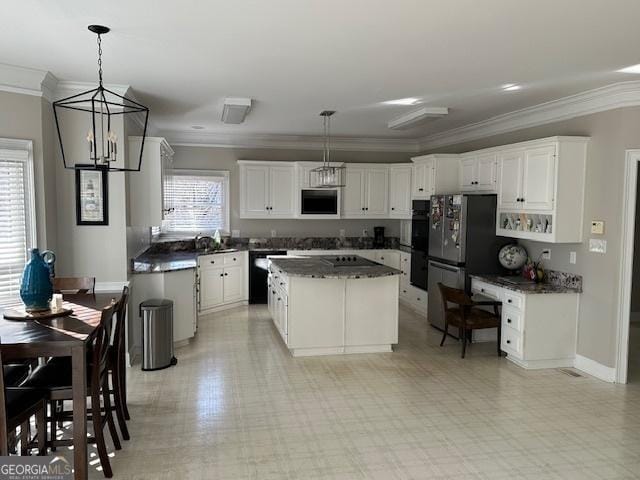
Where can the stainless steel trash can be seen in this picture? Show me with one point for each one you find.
(157, 334)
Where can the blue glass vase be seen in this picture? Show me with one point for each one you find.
(36, 289)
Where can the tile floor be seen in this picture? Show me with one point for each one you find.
(238, 406)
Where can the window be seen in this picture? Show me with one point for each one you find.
(17, 219)
(198, 201)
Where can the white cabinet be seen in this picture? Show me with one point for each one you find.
(146, 188)
(366, 191)
(433, 174)
(478, 173)
(400, 191)
(510, 185)
(389, 258)
(222, 280)
(538, 330)
(527, 179)
(267, 189)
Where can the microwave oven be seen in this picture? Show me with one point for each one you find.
(321, 201)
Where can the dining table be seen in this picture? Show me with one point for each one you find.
(65, 336)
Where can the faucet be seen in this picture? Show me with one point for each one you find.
(199, 238)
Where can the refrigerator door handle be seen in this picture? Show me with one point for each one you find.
(442, 266)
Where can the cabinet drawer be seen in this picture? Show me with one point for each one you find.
(485, 289)
(511, 342)
(210, 261)
(232, 258)
(512, 318)
(511, 299)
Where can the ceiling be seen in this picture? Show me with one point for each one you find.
(298, 57)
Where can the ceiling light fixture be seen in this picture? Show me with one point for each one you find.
(101, 103)
(327, 176)
(235, 110)
(511, 87)
(403, 101)
(416, 117)
(630, 69)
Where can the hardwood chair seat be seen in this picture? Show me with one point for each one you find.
(19, 399)
(15, 374)
(475, 318)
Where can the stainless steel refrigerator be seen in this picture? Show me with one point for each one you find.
(462, 242)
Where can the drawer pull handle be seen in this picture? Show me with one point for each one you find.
(482, 290)
(281, 283)
(508, 320)
(212, 261)
(508, 341)
(509, 301)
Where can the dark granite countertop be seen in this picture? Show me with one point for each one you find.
(530, 288)
(315, 267)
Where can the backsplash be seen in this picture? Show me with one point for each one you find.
(564, 279)
(284, 243)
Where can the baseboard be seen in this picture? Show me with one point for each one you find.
(108, 287)
(541, 364)
(595, 369)
(223, 307)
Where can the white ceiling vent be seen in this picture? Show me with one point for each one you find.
(416, 117)
(235, 109)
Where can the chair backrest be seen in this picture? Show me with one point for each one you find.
(74, 284)
(101, 342)
(453, 295)
(121, 315)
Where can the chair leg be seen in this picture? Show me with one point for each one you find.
(52, 424)
(446, 331)
(24, 438)
(41, 426)
(499, 340)
(96, 417)
(464, 343)
(122, 380)
(117, 400)
(108, 413)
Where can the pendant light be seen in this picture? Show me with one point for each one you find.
(327, 176)
(101, 104)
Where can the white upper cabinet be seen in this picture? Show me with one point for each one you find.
(400, 191)
(510, 171)
(366, 191)
(146, 188)
(267, 189)
(478, 173)
(538, 178)
(434, 174)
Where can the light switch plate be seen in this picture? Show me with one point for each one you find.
(572, 257)
(273, 233)
(546, 254)
(597, 246)
(597, 227)
(235, 233)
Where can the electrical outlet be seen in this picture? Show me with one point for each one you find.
(365, 233)
(597, 227)
(572, 257)
(235, 233)
(546, 254)
(342, 232)
(273, 233)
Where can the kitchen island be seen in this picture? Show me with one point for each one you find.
(328, 305)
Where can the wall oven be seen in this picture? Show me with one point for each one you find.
(321, 202)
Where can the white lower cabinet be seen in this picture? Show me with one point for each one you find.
(538, 330)
(223, 280)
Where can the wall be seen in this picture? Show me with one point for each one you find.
(23, 117)
(611, 133)
(635, 282)
(226, 159)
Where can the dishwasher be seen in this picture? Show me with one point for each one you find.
(258, 273)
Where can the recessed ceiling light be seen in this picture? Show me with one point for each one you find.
(630, 69)
(403, 101)
(197, 127)
(510, 87)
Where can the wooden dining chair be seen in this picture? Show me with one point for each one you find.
(466, 315)
(17, 406)
(117, 367)
(56, 379)
(74, 284)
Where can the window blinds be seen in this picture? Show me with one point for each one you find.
(197, 202)
(16, 221)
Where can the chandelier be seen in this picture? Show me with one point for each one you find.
(101, 104)
(327, 176)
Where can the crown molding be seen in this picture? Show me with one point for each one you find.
(27, 81)
(289, 142)
(617, 95)
(67, 88)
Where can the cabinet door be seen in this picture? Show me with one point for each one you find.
(400, 192)
(417, 181)
(389, 258)
(377, 192)
(510, 190)
(232, 291)
(486, 173)
(405, 268)
(539, 178)
(353, 193)
(211, 287)
(468, 174)
(254, 190)
(282, 183)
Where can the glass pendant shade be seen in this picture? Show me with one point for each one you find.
(327, 176)
(101, 110)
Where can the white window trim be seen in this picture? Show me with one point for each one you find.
(22, 150)
(210, 173)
